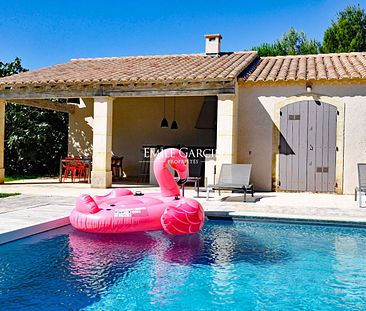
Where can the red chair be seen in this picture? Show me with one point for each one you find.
(69, 167)
(81, 170)
(75, 168)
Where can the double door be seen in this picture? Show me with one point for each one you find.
(308, 147)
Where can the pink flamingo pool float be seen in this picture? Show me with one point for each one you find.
(121, 211)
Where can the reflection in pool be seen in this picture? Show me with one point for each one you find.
(229, 265)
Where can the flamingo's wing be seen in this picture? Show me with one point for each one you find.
(183, 218)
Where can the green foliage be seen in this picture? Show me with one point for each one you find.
(7, 69)
(347, 33)
(5, 195)
(34, 138)
(22, 177)
(292, 43)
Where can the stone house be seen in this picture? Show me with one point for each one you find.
(300, 120)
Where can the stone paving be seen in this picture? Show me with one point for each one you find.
(26, 214)
(28, 201)
(299, 206)
(45, 204)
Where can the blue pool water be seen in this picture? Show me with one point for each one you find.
(228, 266)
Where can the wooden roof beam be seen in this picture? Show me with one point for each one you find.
(44, 104)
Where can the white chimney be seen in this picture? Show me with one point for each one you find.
(213, 45)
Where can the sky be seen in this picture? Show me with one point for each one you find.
(48, 32)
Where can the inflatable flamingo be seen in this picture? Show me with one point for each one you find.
(122, 211)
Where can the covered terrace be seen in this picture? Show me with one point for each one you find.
(121, 102)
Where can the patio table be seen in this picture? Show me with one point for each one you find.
(195, 180)
(69, 162)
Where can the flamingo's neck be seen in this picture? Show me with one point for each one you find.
(168, 186)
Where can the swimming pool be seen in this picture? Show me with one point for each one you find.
(228, 266)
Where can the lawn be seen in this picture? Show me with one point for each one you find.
(5, 195)
(21, 177)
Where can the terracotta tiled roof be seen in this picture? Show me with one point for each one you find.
(167, 68)
(309, 67)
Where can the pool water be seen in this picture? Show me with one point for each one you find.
(228, 266)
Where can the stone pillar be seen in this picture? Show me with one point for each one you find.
(227, 131)
(101, 176)
(2, 139)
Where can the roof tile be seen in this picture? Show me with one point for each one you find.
(198, 67)
(329, 67)
(285, 68)
(291, 73)
(310, 67)
(164, 68)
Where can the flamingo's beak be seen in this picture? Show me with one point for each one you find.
(181, 181)
(183, 176)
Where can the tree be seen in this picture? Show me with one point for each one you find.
(292, 43)
(347, 33)
(7, 69)
(34, 138)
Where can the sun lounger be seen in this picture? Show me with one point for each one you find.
(233, 177)
(361, 189)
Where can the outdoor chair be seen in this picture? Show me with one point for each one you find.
(195, 169)
(70, 168)
(81, 168)
(74, 168)
(117, 167)
(233, 177)
(361, 189)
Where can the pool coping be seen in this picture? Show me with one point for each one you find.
(24, 232)
(220, 215)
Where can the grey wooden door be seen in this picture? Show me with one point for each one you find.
(308, 147)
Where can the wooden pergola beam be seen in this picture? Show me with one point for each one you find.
(44, 103)
(132, 89)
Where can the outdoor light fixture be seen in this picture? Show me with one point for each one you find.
(164, 122)
(174, 124)
(309, 88)
(73, 101)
